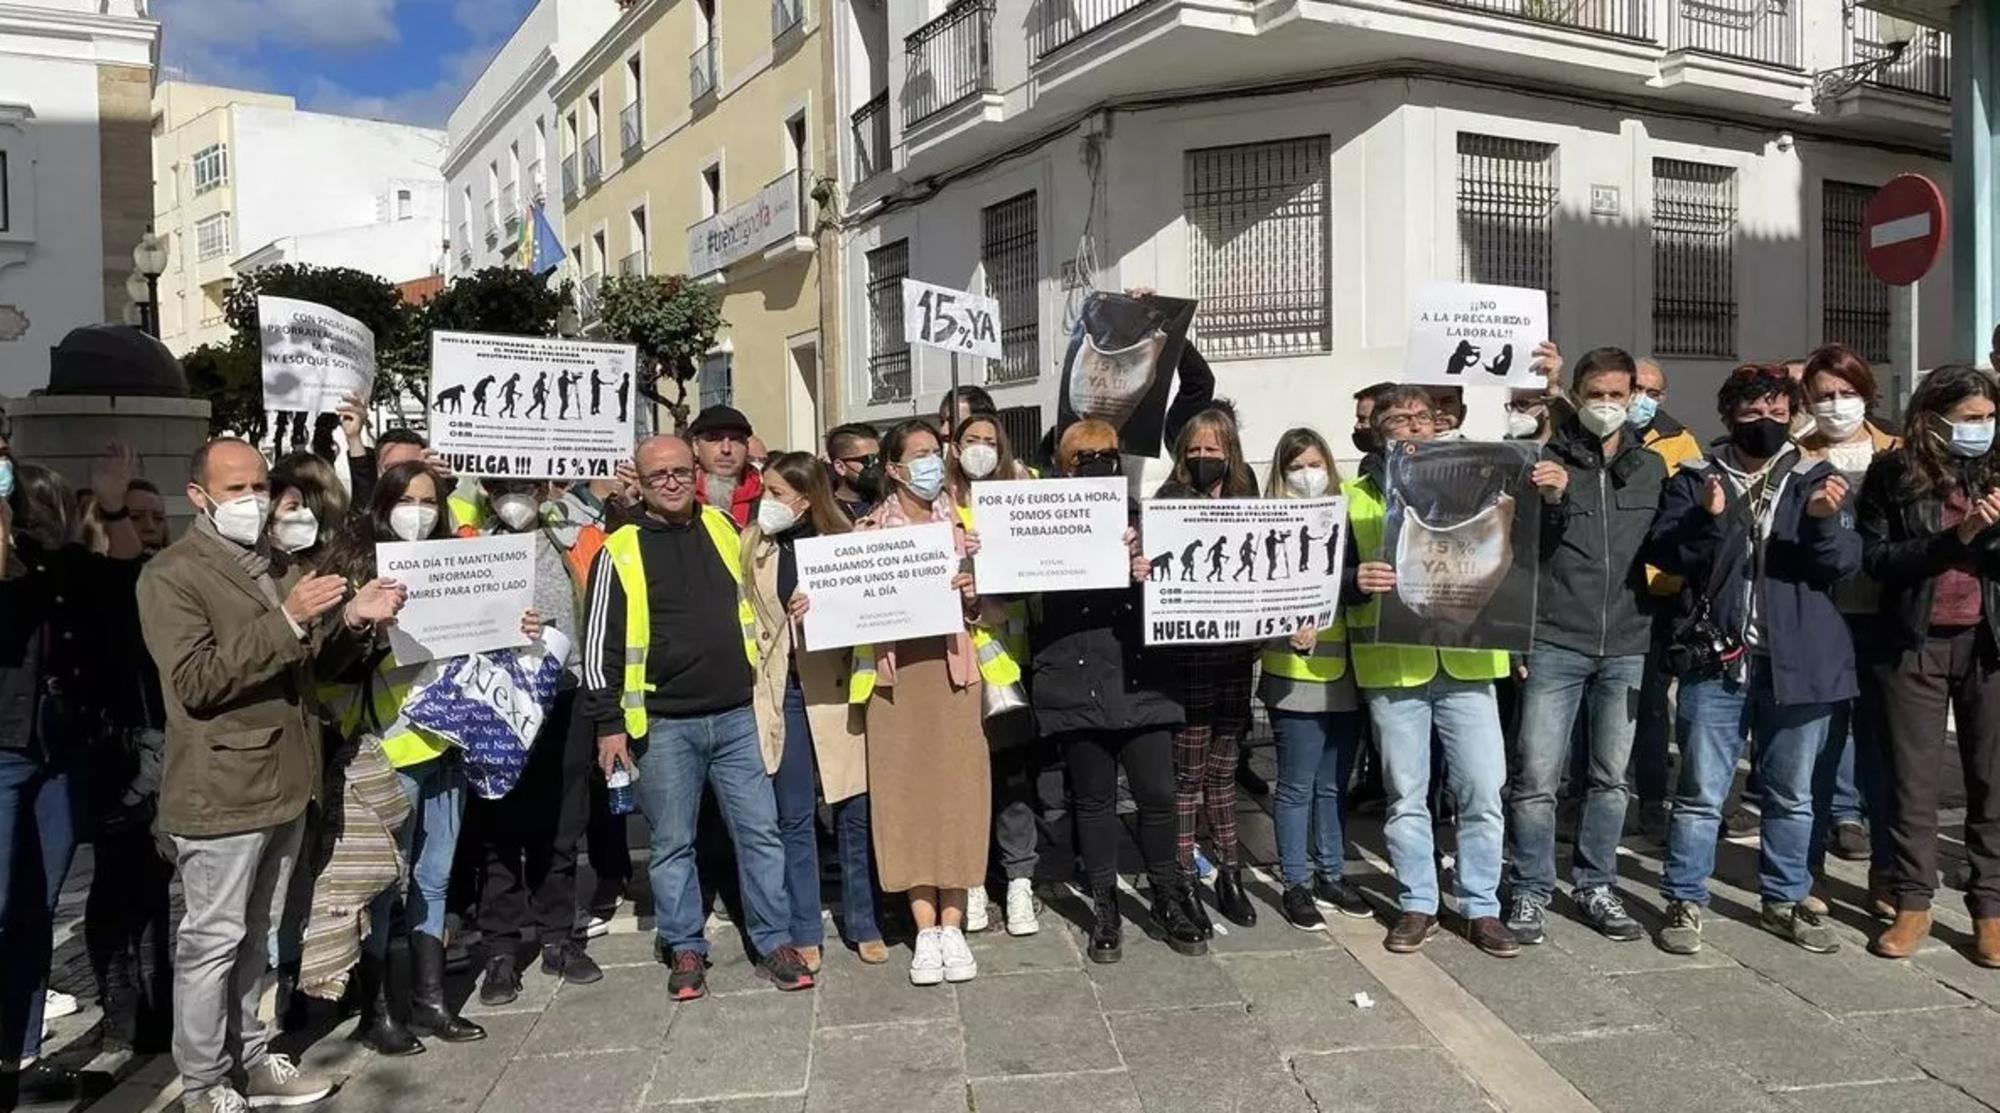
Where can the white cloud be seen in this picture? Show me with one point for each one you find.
(242, 25)
(426, 106)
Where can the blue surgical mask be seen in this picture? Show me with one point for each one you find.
(927, 477)
(6, 476)
(1644, 408)
(1971, 438)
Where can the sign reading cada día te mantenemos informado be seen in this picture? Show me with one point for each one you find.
(466, 595)
(531, 407)
(1240, 570)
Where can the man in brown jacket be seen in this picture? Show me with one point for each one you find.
(236, 632)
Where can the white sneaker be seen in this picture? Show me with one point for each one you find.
(593, 926)
(221, 1099)
(1021, 907)
(977, 918)
(927, 965)
(56, 1005)
(959, 965)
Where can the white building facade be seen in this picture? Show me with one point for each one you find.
(1664, 169)
(503, 145)
(76, 82)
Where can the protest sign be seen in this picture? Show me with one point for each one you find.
(1123, 356)
(467, 595)
(951, 320)
(1464, 334)
(1239, 570)
(880, 585)
(313, 355)
(531, 407)
(1050, 535)
(1462, 526)
(491, 706)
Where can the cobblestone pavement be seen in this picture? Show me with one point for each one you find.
(1274, 1019)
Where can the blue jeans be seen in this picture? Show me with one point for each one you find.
(1720, 714)
(1467, 719)
(1559, 681)
(36, 846)
(676, 758)
(1315, 759)
(796, 786)
(429, 840)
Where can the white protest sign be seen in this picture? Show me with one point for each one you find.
(880, 585)
(1050, 535)
(1238, 570)
(466, 595)
(1463, 334)
(313, 355)
(531, 407)
(953, 320)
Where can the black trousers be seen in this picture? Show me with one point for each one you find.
(126, 933)
(1960, 671)
(1148, 757)
(528, 838)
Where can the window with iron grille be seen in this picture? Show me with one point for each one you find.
(1024, 432)
(1258, 219)
(211, 167)
(718, 380)
(1010, 250)
(211, 236)
(888, 352)
(1506, 213)
(1854, 303)
(1694, 259)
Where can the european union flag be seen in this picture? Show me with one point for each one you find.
(548, 251)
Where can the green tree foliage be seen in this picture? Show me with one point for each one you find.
(231, 378)
(499, 300)
(672, 321)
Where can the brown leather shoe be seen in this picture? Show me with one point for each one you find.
(1881, 899)
(811, 957)
(1902, 938)
(1410, 932)
(1490, 934)
(874, 952)
(1986, 942)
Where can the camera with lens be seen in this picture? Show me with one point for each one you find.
(1701, 648)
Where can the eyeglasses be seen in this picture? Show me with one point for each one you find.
(668, 477)
(1404, 422)
(859, 461)
(1099, 456)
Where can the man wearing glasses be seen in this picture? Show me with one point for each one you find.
(855, 453)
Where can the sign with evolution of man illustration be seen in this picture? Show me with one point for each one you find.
(1241, 570)
(531, 407)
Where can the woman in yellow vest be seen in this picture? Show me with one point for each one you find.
(1316, 718)
(406, 505)
(929, 779)
(980, 452)
(803, 714)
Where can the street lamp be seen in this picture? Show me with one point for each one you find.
(150, 259)
(141, 290)
(1894, 33)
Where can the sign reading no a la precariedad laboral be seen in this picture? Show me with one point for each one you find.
(467, 595)
(531, 407)
(313, 355)
(954, 320)
(1465, 334)
(1239, 570)
(880, 586)
(1050, 535)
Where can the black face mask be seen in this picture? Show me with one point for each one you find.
(868, 481)
(1206, 471)
(1098, 465)
(1759, 438)
(1366, 441)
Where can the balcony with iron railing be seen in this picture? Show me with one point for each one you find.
(703, 65)
(786, 15)
(593, 160)
(586, 300)
(1922, 65)
(871, 137)
(1627, 19)
(537, 187)
(510, 207)
(633, 265)
(631, 133)
(569, 175)
(1059, 23)
(492, 219)
(1765, 32)
(950, 60)
(464, 234)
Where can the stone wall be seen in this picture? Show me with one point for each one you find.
(125, 154)
(68, 432)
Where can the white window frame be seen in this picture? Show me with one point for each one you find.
(210, 168)
(212, 246)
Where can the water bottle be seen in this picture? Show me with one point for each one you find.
(623, 800)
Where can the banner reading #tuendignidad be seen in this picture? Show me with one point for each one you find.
(531, 407)
(467, 595)
(1050, 535)
(880, 585)
(1239, 570)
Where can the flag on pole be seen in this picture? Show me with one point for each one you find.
(547, 252)
(524, 247)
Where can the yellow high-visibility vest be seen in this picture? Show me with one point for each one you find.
(1000, 653)
(390, 688)
(623, 546)
(1325, 664)
(1378, 665)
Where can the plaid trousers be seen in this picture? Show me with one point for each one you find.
(1215, 684)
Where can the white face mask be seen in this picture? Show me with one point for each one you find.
(295, 530)
(978, 461)
(1602, 418)
(1838, 418)
(412, 522)
(1521, 426)
(240, 519)
(516, 511)
(774, 517)
(1309, 482)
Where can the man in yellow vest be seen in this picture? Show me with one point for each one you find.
(1411, 690)
(670, 653)
(1675, 445)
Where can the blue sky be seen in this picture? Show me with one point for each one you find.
(403, 60)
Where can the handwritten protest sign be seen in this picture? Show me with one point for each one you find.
(951, 320)
(1237, 570)
(531, 407)
(1462, 526)
(312, 355)
(466, 595)
(880, 586)
(1050, 535)
(1464, 334)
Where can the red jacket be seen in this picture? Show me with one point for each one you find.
(743, 504)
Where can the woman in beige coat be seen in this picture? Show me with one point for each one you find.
(803, 712)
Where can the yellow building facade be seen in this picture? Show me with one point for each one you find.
(693, 138)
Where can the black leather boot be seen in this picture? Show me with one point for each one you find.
(1188, 894)
(1231, 899)
(379, 1028)
(1107, 933)
(1171, 922)
(428, 1014)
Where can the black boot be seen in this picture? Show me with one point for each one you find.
(293, 1015)
(1231, 900)
(1187, 893)
(379, 1028)
(428, 1014)
(1170, 919)
(1107, 933)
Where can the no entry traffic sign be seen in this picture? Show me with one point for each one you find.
(1902, 229)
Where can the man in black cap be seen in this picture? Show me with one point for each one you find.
(722, 451)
